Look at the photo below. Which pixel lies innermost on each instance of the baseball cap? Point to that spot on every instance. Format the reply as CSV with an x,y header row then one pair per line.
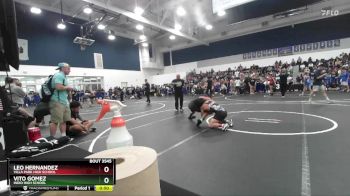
x,y
61,65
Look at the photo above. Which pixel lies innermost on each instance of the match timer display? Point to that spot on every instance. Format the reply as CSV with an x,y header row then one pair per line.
x,y
75,175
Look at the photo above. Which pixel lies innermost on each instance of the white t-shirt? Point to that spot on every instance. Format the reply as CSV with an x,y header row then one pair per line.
x,y
223,87
237,83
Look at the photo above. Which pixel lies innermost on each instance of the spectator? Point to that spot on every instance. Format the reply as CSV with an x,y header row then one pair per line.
x,y
110,92
223,88
238,86
271,82
76,125
16,93
319,76
344,77
232,86
306,81
252,83
59,104
121,94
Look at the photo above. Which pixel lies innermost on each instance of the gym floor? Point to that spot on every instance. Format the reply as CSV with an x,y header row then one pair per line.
x,y
276,147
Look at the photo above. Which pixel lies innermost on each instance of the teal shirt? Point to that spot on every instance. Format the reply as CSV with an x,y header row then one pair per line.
x,y
60,96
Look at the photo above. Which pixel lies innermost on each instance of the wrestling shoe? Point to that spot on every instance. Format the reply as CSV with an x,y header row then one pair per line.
x,y
199,122
93,129
329,101
191,117
224,127
229,122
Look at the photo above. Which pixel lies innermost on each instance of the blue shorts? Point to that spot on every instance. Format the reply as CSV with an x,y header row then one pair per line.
x,y
308,84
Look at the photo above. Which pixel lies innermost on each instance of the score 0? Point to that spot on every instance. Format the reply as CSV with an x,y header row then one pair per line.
x,y
106,169
106,180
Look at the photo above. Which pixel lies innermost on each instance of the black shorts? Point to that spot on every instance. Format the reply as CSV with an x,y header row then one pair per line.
x,y
194,107
40,111
220,116
72,131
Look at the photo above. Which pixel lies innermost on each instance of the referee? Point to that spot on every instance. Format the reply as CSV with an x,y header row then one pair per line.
x,y
209,91
147,91
178,84
283,82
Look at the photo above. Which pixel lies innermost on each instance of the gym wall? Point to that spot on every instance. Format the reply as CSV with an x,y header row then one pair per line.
x,y
320,30
48,45
111,77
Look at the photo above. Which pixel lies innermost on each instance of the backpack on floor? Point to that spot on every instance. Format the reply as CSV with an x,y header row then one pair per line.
x,y
40,145
47,90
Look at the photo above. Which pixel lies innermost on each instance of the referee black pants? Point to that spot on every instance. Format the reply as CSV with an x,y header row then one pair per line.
x,y
177,97
283,89
147,95
209,92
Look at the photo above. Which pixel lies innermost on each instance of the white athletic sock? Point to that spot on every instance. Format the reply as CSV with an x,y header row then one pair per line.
x,y
63,134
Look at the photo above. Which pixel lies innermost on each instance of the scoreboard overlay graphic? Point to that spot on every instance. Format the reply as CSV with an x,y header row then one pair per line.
x,y
69,174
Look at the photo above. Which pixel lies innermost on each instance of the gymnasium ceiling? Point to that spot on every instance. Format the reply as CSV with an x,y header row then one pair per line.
x,y
160,16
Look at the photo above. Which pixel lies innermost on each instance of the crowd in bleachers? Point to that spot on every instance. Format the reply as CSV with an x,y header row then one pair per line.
x,y
257,79
31,99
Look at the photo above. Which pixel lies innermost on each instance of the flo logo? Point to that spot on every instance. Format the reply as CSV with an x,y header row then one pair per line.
x,y
329,12
2,140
